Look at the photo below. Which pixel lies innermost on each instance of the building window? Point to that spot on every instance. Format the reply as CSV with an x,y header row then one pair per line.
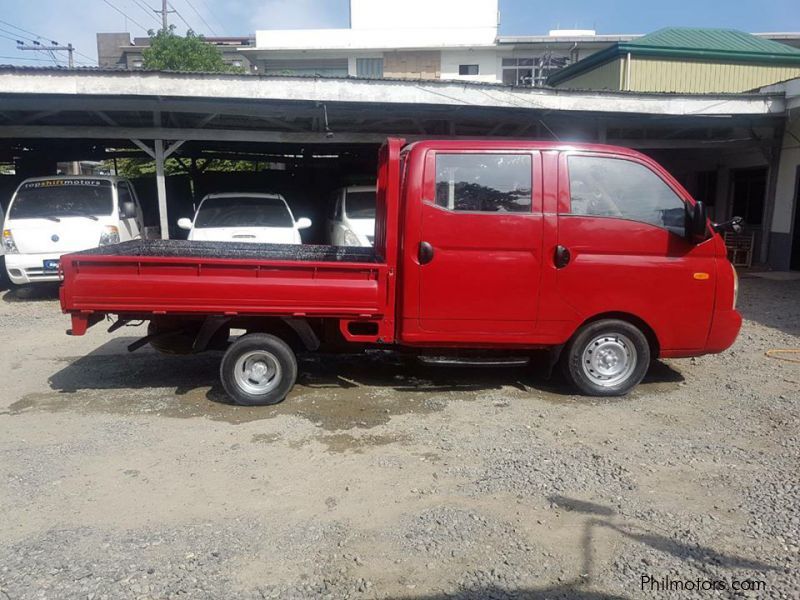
x,y
532,71
484,182
369,68
325,67
136,64
468,70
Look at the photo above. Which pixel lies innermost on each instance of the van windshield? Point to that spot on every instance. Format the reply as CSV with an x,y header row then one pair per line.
x,y
360,205
53,198
243,211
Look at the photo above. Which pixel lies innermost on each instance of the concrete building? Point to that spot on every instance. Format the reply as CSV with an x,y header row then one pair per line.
x,y
118,51
455,40
682,59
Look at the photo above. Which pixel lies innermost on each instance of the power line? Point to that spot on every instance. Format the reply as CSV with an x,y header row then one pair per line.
x,y
213,16
127,16
211,29
27,59
36,36
180,16
146,9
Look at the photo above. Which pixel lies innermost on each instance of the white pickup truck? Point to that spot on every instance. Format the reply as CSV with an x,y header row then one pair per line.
x,y
51,216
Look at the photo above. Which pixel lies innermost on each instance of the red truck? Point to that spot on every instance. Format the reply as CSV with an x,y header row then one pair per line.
x,y
485,251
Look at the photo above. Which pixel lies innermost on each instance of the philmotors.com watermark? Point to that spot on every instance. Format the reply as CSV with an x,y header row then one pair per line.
x,y
670,584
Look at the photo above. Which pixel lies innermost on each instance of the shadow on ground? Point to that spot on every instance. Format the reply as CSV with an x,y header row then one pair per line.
x,y
29,293
333,391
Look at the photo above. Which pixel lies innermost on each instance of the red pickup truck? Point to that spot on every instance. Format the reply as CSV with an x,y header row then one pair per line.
x,y
485,251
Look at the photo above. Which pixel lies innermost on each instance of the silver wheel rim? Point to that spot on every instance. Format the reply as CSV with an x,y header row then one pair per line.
x,y
609,360
257,372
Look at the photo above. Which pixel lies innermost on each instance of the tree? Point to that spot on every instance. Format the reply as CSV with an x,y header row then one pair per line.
x,y
171,52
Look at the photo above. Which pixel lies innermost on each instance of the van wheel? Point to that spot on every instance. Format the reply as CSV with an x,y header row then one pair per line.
x,y
258,369
606,358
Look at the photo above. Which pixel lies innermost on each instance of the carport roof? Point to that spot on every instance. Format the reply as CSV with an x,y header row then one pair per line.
x,y
222,111
42,81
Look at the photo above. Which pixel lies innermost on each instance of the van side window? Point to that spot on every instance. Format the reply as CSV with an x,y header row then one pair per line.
x,y
613,187
484,182
124,193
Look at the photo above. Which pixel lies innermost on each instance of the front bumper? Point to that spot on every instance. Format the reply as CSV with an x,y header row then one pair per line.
x,y
725,327
28,268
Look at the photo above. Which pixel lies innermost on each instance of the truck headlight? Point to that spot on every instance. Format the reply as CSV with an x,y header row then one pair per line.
x,y
109,236
350,238
8,242
735,286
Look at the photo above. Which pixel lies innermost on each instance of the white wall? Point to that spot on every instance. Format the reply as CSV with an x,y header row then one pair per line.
x,y
360,39
424,14
487,60
397,24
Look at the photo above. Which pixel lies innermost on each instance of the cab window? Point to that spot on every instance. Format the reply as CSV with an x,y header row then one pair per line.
x,y
494,183
623,189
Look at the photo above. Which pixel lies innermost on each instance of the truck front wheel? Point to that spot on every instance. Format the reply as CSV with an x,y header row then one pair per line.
x,y
258,369
606,358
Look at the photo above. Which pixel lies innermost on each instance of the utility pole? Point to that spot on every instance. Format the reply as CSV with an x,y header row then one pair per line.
x,y
164,12
54,47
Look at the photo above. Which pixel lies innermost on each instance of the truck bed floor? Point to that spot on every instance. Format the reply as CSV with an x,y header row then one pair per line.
x,y
236,250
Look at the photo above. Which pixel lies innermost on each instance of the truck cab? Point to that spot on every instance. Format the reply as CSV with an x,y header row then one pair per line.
x,y
51,216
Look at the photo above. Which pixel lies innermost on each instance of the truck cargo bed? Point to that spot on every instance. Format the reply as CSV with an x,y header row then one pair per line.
x,y
235,250
161,277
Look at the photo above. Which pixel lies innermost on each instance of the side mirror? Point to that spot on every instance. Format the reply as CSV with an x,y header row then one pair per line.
x,y
185,223
303,223
127,210
696,222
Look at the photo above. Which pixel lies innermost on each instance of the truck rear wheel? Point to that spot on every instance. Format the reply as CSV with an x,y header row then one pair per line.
x,y
606,358
258,369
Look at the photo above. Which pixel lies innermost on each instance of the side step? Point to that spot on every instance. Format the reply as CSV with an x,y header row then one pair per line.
x,y
474,361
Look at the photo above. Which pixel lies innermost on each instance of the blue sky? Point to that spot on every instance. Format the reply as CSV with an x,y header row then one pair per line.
x,y
60,21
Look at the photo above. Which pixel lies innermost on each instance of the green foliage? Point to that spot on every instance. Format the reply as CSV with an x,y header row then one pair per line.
x,y
143,167
170,52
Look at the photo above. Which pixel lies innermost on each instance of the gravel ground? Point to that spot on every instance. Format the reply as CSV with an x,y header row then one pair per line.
x,y
128,476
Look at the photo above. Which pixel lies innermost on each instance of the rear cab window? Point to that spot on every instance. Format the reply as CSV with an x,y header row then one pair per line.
x,y
613,187
55,198
487,183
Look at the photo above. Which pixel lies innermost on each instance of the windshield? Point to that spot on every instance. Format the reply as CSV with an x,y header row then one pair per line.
x,y
53,198
243,212
360,205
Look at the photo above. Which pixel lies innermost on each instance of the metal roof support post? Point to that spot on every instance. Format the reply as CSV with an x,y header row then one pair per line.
x,y
161,187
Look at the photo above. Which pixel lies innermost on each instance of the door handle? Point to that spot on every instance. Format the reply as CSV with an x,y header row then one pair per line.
x,y
425,253
561,257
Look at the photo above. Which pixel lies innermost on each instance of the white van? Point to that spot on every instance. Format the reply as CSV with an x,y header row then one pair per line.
x,y
254,218
51,216
351,221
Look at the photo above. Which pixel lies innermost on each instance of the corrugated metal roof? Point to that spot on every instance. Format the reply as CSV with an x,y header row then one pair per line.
x,y
714,40
720,45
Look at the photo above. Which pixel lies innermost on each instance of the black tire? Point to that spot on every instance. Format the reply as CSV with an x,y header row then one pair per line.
x,y
176,342
273,351
180,341
590,358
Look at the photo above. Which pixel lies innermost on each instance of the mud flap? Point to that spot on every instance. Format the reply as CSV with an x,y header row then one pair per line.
x,y
82,321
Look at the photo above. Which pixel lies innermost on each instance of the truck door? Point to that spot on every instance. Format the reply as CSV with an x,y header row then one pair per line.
x,y
481,246
622,247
